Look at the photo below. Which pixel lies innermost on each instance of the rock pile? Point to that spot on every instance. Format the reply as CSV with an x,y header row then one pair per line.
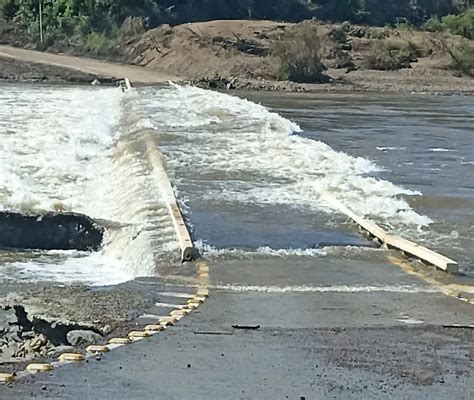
x,y
22,339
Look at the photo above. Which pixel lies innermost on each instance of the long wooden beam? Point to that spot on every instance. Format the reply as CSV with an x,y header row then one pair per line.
x,y
188,250
391,241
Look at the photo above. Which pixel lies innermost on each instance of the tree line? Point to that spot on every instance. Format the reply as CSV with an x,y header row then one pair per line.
x,y
80,18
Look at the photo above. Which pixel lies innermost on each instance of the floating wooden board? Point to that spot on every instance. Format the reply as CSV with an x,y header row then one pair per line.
x,y
424,254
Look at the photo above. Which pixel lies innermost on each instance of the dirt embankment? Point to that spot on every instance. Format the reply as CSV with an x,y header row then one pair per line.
x,y
243,54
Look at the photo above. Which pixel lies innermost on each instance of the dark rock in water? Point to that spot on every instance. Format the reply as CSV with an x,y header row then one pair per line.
x,y
79,337
50,231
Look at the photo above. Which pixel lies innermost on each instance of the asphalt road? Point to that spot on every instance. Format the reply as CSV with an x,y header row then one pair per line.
x,y
328,329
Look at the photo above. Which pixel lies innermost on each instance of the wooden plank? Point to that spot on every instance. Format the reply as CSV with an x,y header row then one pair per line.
x,y
188,251
424,254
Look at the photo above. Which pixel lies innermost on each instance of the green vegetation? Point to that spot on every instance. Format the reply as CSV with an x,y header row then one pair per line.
x,y
301,56
463,58
391,55
461,24
95,26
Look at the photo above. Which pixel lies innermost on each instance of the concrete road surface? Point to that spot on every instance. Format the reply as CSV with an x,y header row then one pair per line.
x,y
328,329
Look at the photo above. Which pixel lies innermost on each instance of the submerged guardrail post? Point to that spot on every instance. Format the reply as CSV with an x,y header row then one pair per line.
x,y
391,241
188,250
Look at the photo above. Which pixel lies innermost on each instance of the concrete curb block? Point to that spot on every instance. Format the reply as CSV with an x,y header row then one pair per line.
x,y
6,378
391,241
76,357
34,367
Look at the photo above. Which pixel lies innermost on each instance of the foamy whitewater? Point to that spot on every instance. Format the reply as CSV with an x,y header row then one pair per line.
x,y
77,149
81,150
258,157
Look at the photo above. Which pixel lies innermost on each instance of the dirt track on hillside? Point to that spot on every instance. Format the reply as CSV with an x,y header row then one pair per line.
x,y
88,68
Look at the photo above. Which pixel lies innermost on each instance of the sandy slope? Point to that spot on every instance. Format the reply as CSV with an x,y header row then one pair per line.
x,y
242,53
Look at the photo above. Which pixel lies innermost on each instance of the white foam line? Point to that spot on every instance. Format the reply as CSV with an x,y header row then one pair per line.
x,y
325,289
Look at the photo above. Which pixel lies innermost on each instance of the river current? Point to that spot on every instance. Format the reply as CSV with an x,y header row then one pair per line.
x,y
258,175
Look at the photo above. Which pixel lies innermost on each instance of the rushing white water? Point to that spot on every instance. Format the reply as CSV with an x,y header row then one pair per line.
x,y
81,150
326,289
75,149
215,254
254,156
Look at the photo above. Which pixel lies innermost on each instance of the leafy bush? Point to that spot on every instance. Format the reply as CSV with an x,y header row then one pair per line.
x,y
433,25
391,55
98,44
131,28
461,24
300,56
8,9
463,58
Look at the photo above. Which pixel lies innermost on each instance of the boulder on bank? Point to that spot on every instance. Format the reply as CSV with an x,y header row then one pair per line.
x,y
83,337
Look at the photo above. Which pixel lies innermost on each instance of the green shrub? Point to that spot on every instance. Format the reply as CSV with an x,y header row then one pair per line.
x,y
8,9
300,56
391,55
98,44
131,28
433,25
463,58
460,24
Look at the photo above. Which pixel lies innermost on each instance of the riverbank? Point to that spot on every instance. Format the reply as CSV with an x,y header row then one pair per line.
x,y
409,81
246,55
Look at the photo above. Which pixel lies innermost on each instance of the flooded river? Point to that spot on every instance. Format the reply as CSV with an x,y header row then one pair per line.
x,y
259,179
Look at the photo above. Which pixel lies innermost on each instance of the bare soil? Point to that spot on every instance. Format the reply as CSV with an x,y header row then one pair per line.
x,y
242,54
